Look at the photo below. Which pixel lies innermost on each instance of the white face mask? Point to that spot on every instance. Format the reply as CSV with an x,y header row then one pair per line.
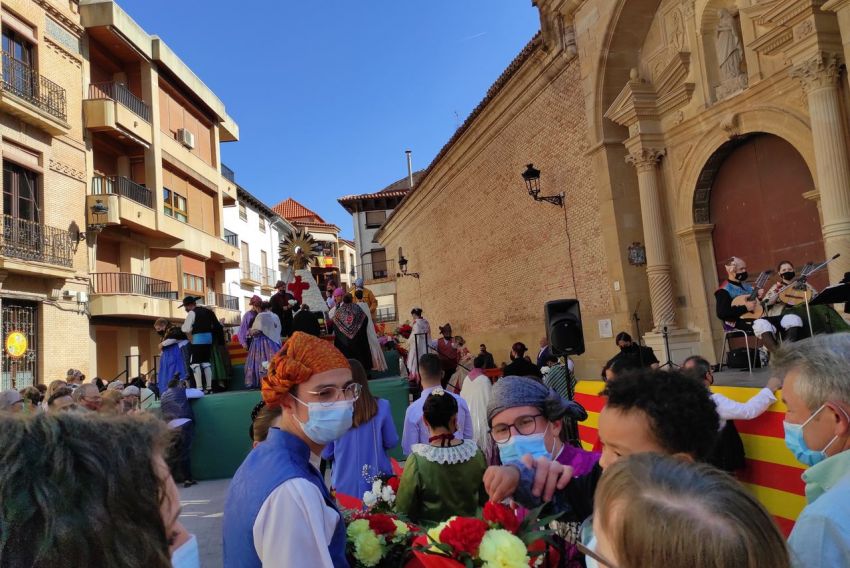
x,y
187,555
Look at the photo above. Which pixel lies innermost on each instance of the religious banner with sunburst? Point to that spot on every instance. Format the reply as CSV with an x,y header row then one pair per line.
x,y
299,249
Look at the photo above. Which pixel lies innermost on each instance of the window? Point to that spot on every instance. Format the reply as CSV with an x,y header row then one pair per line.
x,y
193,283
174,205
342,262
243,211
264,264
20,193
379,264
262,224
17,63
374,219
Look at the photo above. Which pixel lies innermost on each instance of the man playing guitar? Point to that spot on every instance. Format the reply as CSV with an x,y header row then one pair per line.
x,y
738,314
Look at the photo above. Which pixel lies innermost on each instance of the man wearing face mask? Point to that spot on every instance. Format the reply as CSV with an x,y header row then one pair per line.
x,y
278,510
735,286
816,391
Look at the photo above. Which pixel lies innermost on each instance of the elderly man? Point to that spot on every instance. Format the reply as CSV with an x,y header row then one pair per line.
x,y
88,396
368,297
816,391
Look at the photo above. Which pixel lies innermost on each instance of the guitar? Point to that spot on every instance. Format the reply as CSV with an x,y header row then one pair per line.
x,y
799,292
742,300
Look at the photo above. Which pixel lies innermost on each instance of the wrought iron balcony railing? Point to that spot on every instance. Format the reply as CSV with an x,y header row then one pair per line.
x,y
231,238
127,283
228,173
222,301
23,81
377,270
120,185
385,314
26,240
270,277
121,94
251,271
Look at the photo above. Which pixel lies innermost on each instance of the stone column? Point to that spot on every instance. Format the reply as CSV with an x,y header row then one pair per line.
x,y
658,268
819,76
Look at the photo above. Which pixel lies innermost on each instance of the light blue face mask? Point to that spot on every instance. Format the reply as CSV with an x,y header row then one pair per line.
x,y
520,445
588,561
795,441
187,555
327,423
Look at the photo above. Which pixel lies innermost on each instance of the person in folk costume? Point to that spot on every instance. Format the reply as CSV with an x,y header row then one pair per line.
x,y
420,339
350,333
283,305
244,333
201,324
278,510
334,300
266,334
379,362
366,296
448,353
172,362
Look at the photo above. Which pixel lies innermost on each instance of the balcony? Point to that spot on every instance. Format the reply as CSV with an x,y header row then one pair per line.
x,y
252,274
382,271
385,315
231,238
122,294
113,109
270,277
33,98
229,307
228,174
119,185
29,242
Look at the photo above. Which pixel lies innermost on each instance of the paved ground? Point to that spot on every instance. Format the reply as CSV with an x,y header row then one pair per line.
x,y
203,510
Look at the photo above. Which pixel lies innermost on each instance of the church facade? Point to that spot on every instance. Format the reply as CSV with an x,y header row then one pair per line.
x,y
681,132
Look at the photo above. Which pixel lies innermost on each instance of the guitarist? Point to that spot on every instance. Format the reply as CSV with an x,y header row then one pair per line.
x,y
734,286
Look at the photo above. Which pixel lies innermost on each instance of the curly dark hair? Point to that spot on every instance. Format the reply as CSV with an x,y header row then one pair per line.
x,y
439,409
68,475
683,417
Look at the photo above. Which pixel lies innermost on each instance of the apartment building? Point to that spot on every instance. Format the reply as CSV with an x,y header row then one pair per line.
x,y
43,270
347,262
156,199
259,231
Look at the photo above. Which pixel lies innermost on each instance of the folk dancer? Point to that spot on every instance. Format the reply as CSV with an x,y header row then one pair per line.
x,y
172,361
200,324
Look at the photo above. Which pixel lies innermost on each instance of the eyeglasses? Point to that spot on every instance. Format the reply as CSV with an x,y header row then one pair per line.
x,y
329,395
524,425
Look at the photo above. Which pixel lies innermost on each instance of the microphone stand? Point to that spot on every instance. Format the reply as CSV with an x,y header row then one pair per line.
x,y
669,362
637,326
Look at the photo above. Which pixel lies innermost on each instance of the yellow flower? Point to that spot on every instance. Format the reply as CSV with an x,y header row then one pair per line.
x,y
434,535
400,528
501,549
368,548
356,528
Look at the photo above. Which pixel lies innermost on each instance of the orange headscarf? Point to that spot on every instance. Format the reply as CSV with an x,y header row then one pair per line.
x,y
301,357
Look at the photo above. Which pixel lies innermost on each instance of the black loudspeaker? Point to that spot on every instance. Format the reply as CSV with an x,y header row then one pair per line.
x,y
563,327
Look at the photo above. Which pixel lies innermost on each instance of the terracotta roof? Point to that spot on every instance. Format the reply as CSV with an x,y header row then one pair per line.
x,y
292,210
514,66
349,243
398,188
328,226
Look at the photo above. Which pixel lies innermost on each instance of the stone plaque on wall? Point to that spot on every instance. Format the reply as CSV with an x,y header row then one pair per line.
x,y
62,36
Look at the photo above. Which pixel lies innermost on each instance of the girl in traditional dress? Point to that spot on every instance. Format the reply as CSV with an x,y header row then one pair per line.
x,y
244,333
350,334
265,333
445,476
379,362
172,361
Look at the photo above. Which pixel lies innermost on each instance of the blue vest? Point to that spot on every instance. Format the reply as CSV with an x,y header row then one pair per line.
x,y
734,290
280,458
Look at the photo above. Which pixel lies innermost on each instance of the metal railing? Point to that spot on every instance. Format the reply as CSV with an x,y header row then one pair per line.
x,y
228,173
385,314
251,271
231,238
119,93
377,270
128,283
222,301
27,240
119,185
270,277
25,82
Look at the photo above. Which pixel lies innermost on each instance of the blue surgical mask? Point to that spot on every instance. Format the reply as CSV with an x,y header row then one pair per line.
x,y
327,423
588,561
520,445
186,555
797,443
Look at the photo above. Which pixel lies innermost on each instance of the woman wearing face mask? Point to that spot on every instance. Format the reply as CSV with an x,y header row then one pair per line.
x,y
172,362
278,510
787,304
120,480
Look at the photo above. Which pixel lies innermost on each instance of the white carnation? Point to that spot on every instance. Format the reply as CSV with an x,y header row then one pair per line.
x,y
376,486
387,494
369,499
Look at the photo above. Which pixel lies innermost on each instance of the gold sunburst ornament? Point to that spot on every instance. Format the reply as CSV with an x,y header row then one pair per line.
x,y
299,250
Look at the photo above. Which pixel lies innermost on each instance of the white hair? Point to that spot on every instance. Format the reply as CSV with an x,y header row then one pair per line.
x,y
823,364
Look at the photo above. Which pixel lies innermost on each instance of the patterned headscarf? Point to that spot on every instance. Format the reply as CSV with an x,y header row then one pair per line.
x,y
510,392
301,357
348,319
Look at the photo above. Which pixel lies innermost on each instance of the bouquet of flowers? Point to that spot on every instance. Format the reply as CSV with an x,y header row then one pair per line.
x,y
381,498
404,330
377,539
498,539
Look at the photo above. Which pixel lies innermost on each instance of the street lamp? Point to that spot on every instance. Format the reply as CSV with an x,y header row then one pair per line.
x,y
402,264
531,176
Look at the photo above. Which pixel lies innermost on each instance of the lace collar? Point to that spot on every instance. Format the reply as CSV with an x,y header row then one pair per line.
x,y
452,454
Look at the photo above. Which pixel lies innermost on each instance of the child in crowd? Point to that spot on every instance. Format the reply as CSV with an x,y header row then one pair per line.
x,y
653,510
444,477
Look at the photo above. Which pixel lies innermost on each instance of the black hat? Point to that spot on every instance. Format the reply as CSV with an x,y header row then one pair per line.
x,y
189,300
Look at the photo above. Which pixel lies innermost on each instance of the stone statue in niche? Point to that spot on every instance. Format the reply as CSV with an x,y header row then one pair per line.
x,y
730,55
677,32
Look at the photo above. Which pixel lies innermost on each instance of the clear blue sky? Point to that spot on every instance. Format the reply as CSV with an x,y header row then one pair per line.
x,y
329,94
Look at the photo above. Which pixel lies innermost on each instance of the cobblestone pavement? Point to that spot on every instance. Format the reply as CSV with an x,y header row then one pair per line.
x,y
203,511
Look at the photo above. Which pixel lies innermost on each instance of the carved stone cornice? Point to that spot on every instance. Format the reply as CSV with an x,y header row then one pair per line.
x,y
635,103
58,15
818,72
671,86
645,159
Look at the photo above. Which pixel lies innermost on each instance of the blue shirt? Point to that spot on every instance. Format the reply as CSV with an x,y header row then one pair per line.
x,y
415,431
821,536
364,447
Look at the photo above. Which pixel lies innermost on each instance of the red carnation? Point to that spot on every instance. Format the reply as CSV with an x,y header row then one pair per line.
x,y
393,482
501,515
464,535
382,524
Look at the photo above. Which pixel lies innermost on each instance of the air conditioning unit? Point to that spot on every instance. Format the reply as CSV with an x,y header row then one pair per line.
x,y
82,297
186,138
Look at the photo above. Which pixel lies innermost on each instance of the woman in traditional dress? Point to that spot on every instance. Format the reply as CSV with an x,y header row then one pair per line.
x,y
420,339
350,334
172,362
379,362
244,333
265,333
